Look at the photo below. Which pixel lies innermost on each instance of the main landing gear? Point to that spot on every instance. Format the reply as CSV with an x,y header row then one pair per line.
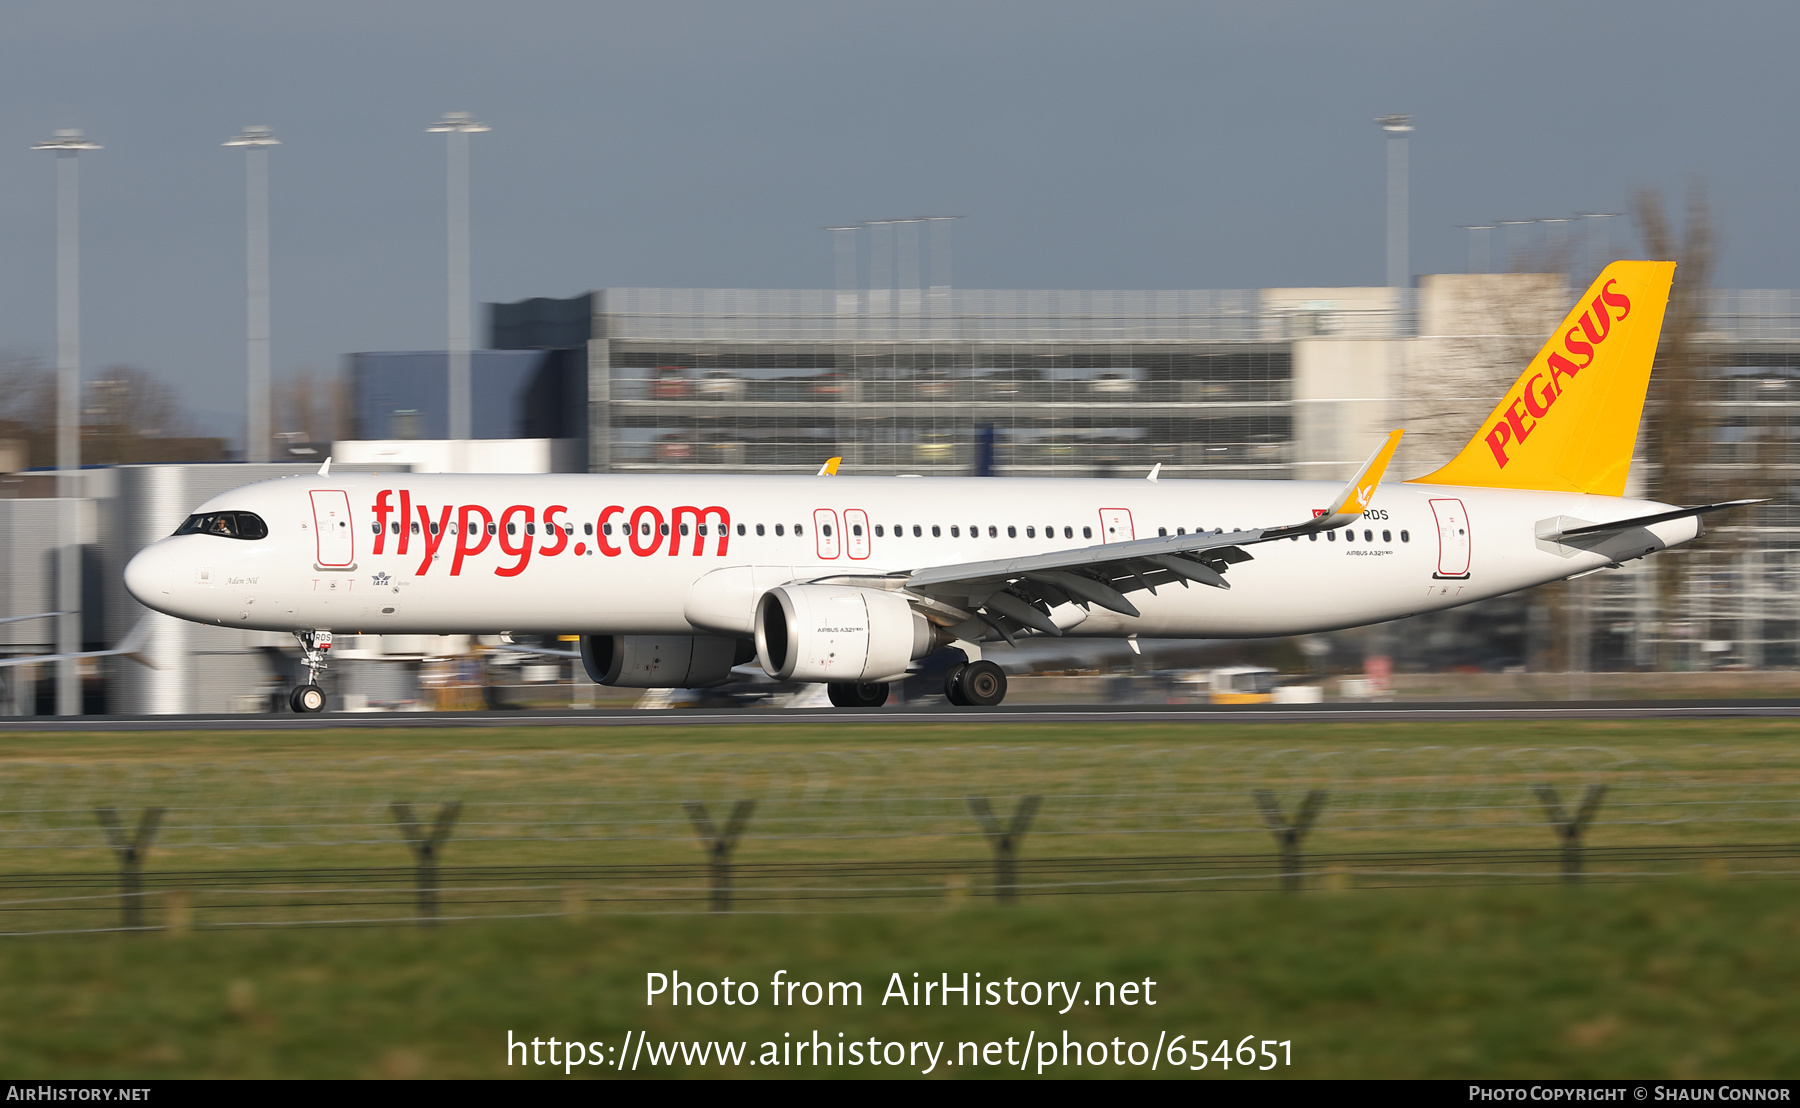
x,y
857,694
309,698
975,685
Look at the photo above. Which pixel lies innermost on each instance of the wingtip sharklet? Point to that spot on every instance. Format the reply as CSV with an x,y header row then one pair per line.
x,y
1360,492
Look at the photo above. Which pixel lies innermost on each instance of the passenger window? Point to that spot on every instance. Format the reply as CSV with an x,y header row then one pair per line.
x,y
1404,537
759,530
1314,536
606,528
1350,535
993,532
935,533
512,528
1087,532
797,531
587,528
955,531
1331,536
916,531
1068,532
683,529
877,530
1181,530
434,527
1368,536
1031,532
1162,531
644,529
827,530
1012,532
415,528
1387,536
492,530
778,529
375,528
665,529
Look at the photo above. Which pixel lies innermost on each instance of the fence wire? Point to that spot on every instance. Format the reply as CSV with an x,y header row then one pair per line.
x,y
270,842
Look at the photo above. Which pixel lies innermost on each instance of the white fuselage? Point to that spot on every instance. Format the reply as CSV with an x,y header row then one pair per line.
x,y
323,567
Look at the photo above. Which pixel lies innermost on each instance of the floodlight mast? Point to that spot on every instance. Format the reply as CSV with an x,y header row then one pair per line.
x,y
458,126
256,142
68,145
1397,127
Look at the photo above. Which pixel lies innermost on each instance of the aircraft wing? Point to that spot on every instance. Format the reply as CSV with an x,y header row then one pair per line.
x,y
1010,593
131,646
37,615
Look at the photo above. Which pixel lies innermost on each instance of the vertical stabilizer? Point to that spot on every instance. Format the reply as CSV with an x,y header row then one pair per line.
x,y
1570,422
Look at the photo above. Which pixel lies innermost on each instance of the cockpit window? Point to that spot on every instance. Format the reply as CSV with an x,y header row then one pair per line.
x,y
232,525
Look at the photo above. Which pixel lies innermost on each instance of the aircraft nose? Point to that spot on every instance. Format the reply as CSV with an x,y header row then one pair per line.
x,y
150,576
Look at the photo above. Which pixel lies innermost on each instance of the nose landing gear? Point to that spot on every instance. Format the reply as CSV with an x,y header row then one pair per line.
x,y
309,698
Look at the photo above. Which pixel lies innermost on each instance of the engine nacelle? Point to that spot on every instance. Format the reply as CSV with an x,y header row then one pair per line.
x,y
662,661
839,633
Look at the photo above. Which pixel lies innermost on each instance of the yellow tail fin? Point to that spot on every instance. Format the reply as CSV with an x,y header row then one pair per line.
x,y
1569,423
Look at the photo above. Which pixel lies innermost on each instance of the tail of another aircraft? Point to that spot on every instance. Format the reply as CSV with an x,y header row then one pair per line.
x,y
1569,423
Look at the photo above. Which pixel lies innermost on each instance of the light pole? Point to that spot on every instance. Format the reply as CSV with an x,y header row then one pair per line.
x,y
256,142
68,146
1398,127
459,126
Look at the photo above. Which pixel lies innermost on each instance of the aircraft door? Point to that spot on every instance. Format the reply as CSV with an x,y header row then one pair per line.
x,y
856,526
1453,538
825,533
1115,525
331,528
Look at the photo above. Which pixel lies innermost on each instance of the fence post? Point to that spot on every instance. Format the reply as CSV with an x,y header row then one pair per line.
x,y
425,846
1569,828
1005,841
1288,834
719,845
131,853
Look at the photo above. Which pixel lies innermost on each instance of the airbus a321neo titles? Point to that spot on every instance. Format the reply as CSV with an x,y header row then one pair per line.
x,y
671,581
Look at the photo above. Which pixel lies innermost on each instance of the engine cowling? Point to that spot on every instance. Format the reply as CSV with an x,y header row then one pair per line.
x,y
839,633
662,661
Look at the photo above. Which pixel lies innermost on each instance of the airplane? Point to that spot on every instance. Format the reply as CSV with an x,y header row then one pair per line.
x,y
670,581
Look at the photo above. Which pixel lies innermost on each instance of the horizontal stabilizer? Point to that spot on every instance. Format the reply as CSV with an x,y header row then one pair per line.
x,y
1618,525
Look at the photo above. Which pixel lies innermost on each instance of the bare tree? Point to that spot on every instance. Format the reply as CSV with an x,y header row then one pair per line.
x,y
1677,432
312,408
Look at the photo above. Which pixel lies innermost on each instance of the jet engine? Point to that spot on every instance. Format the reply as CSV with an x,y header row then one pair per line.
x,y
839,633
662,661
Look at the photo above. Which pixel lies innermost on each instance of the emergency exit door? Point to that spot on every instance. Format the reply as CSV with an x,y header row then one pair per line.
x,y
331,527
1453,538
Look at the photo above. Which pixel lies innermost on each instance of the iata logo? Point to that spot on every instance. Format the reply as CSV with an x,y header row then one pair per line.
x,y
1540,393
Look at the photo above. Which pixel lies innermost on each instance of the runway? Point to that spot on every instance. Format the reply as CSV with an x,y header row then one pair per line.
x,y
1199,715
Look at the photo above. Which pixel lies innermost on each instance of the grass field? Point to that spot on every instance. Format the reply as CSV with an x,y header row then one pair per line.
x,y
1671,979
1678,977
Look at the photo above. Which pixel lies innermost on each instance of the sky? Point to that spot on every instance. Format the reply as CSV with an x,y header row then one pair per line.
x,y
1085,145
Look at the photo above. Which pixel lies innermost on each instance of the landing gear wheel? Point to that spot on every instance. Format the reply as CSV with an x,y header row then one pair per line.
x,y
857,694
307,699
953,685
982,684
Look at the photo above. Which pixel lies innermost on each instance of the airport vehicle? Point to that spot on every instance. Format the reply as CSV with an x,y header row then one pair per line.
x,y
671,581
1241,685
